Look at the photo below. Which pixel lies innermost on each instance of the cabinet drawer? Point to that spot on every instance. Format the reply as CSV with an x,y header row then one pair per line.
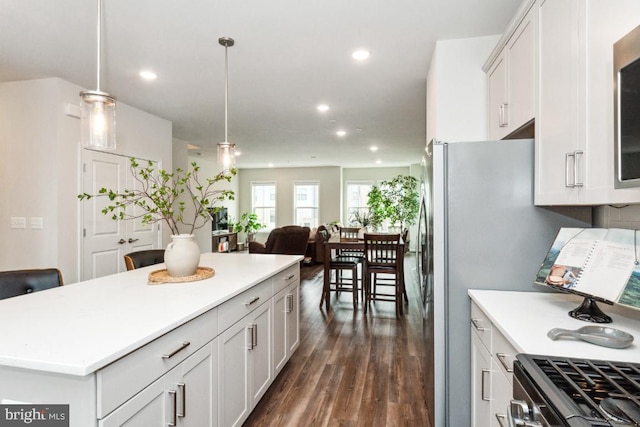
x,y
481,325
241,305
125,377
503,353
285,278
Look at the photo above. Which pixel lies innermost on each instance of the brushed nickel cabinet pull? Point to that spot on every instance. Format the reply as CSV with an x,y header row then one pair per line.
x,y
250,337
475,323
484,371
174,403
501,417
291,276
254,335
182,389
184,345
253,300
576,183
501,358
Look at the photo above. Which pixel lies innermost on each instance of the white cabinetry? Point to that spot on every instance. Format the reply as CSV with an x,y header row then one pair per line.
x,y
286,313
511,76
574,119
245,370
492,358
185,396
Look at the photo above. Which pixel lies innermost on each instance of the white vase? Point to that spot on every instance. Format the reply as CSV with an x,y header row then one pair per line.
x,y
182,256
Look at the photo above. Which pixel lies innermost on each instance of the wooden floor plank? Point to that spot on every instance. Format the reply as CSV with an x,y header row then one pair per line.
x,y
350,369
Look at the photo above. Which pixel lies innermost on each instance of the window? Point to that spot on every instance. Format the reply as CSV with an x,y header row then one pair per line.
x,y
263,202
357,198
306,201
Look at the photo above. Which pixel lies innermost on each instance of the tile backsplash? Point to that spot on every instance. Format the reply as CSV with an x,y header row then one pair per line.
x,y
626,216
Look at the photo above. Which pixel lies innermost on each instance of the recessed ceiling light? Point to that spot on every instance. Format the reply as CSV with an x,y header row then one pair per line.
x,y
360,54
341,133
270,165
373,148
378,162
193,147
148,75
323,108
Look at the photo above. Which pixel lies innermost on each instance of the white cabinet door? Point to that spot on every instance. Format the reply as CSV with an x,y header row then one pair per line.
x,y
286,327
233,374
560,122
521,66
184,396
245,365
196,389
280,353
260,354
293,319
498,102
574,120
480,383
501,395
150,407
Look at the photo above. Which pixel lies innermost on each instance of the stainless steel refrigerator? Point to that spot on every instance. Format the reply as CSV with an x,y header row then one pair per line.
x,y
478,229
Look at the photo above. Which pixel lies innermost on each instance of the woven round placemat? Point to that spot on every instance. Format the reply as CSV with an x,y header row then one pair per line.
x,y
162,276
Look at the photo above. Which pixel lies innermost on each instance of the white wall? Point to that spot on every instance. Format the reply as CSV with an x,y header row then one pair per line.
x,y
456,89
40,160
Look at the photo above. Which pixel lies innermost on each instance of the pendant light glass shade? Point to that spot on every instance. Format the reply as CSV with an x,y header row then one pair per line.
x,y
98,120
226,150
98,109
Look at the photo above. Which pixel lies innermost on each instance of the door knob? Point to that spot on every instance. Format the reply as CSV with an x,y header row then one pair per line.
x,y
122,242
132,240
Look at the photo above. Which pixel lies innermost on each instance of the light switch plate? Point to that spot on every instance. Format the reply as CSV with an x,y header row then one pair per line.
x,y
18,222
36,223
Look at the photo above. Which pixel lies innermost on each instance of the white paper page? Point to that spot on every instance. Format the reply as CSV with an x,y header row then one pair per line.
x,y
575,252
607,271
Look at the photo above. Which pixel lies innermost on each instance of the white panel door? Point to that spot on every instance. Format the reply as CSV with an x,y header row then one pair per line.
x,y
105,241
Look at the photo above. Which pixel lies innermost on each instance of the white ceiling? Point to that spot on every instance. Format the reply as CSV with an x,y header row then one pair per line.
x,y
289,56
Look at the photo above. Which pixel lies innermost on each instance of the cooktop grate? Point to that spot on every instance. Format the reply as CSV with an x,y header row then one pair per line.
x,y
588,382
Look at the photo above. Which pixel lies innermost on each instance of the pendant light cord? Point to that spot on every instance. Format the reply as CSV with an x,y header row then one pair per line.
x,y
99,33
226,92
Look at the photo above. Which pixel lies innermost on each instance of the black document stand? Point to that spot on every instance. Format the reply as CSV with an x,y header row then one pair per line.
x,y
589,311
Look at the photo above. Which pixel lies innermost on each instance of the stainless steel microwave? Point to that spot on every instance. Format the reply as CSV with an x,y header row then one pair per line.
x,y
626,65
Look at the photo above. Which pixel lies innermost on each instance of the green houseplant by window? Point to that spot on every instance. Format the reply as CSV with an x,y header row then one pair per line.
x,y
396,200
248,224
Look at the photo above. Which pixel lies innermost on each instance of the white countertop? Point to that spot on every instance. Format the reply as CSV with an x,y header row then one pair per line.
x,y
79,328
524,318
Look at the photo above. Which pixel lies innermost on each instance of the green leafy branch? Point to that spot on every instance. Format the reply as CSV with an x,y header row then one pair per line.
x,y
163,196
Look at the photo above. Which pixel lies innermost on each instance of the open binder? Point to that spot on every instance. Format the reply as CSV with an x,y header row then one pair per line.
x,y
598,263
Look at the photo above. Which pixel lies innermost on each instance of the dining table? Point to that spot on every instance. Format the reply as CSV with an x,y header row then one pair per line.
x,y
334,244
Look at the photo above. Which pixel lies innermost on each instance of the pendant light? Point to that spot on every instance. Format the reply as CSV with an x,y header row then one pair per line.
x,y
226,150
98,109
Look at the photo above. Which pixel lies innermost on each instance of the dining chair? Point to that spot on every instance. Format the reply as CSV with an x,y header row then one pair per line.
x,y
353,233
338,263
144,258
20,282
383,255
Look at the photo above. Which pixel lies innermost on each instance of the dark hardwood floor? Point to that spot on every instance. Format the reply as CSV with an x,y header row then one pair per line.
x,y
350,370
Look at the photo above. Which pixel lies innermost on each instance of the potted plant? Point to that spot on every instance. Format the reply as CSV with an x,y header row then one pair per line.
x,y
396,200
180,199
362,219
248,224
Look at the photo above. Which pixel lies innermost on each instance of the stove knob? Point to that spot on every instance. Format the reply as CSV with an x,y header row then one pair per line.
x,y
519,411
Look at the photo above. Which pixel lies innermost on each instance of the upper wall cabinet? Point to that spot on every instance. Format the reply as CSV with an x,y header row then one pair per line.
x,y
574,118
511,76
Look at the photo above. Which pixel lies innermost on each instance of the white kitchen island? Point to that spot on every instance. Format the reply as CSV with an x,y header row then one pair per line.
x,y
117,349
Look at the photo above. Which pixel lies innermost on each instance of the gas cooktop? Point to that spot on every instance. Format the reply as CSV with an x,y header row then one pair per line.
x,y
580,392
